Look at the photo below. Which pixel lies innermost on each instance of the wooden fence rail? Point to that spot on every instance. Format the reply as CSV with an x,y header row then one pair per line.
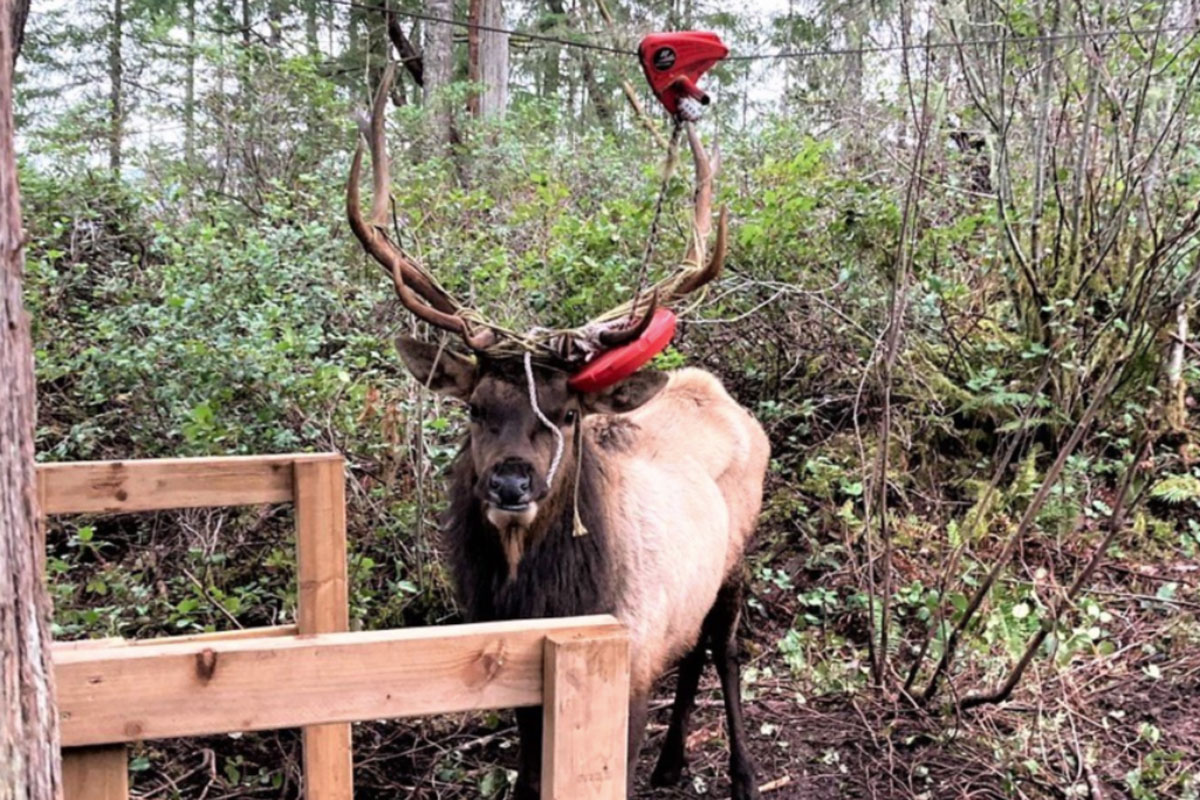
x,y
313,674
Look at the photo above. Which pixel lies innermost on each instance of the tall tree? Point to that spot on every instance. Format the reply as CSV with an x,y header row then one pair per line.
x,y
275,21
552,68
19,13
115,86
595,91
367,46
189,100
377,46
410,57
487,58
29,761
310,28
438,63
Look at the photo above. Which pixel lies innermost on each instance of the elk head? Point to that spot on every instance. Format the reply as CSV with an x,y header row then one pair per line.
x,y
525,429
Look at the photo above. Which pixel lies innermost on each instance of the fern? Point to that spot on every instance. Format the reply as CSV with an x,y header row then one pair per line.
x,y
1177,489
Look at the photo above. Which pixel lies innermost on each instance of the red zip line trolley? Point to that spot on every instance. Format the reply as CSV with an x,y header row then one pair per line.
x,y
673,64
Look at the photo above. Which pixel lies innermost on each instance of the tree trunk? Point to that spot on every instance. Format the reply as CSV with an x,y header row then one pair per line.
x,y
604,111
221,112
244,61
310,28
115,76
275,22
1177,411
438,65
474,11
377,47
410,57
29,760
551,66
18,15
856,27
489,62
244,133
352,36
189,100
596,93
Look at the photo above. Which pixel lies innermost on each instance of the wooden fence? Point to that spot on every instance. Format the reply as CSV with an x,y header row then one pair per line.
x,y
313,674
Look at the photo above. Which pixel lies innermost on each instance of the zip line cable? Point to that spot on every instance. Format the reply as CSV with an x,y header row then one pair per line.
x,y
1103,33
543,37
1108,33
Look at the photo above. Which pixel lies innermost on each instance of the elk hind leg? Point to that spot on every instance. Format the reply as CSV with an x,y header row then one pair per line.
x,y
723,638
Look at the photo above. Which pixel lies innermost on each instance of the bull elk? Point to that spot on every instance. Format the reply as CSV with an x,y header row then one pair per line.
x,y
638,500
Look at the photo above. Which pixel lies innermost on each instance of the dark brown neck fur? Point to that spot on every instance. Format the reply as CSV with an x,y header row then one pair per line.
x,y
559,573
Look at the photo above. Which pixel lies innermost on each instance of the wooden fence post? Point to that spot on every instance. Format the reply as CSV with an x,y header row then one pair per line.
x,y
96,773
88,773
586,714
323,607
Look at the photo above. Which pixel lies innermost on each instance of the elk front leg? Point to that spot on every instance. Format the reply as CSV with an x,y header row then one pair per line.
x,y
638,711
673,758
529,772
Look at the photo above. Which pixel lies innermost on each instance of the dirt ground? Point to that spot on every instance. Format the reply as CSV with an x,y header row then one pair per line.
x,y
1125,724
838,747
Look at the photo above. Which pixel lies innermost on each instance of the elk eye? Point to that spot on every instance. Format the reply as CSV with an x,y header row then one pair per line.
x,y
569,417
476,412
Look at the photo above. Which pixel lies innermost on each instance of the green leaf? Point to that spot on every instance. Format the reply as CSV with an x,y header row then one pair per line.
x,y
1167,591
493,782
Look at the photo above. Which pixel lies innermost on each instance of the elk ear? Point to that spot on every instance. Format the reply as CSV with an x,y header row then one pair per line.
x,y
438,368
633,392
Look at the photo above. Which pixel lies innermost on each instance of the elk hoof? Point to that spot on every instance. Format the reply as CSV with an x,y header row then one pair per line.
x,y
744,787
668,772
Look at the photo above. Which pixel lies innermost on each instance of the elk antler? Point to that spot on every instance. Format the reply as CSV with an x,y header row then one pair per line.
x,y
422,295
417,290
691,280
696,273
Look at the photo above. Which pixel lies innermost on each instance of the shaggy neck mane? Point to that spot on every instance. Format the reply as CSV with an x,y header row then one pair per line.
x,y
559,574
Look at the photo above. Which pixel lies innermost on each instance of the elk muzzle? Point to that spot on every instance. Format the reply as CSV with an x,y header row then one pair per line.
x,y
510,486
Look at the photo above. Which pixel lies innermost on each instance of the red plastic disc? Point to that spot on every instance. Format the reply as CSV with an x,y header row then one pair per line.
x,y
616,365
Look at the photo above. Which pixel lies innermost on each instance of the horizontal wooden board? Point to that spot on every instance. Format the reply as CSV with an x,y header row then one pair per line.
x,y
88,487
122,694
214,636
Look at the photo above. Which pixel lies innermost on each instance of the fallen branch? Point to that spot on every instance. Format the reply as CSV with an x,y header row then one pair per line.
x,y
778,783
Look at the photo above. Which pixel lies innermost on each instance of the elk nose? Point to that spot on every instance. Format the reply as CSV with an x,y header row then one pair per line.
x,y
509,489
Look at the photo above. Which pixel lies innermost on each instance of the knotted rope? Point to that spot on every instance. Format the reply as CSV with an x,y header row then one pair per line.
x,y
533,403
579,528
